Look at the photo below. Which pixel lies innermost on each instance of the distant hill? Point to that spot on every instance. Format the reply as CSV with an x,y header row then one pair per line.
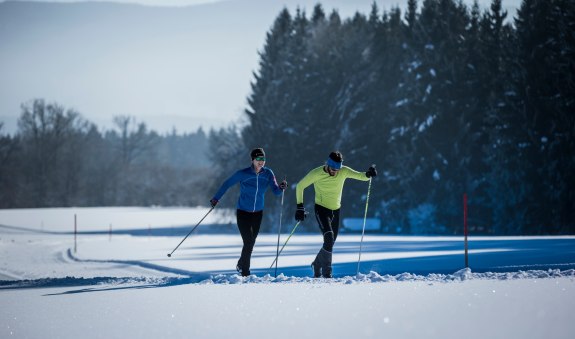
x,y
181,67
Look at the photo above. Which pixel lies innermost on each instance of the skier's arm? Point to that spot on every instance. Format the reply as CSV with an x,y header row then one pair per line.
x,y
273,183
309,179
235,178
353,174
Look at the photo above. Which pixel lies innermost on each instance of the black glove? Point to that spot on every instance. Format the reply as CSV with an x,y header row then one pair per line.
x,y
300,213
214,202
371,172
283,185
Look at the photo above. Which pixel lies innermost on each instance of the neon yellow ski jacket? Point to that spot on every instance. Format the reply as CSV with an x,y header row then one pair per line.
x,y
328,189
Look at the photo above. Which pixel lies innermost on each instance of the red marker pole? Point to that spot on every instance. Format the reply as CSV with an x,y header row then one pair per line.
x,y
75,233
465,227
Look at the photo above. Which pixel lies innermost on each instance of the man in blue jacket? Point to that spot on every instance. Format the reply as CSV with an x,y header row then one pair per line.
x,y
254,182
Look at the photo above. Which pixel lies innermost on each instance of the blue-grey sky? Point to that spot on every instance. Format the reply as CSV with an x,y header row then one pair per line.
x,y
171,64
140,2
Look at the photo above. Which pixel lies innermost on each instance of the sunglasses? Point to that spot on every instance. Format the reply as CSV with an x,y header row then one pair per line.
x,y
260,158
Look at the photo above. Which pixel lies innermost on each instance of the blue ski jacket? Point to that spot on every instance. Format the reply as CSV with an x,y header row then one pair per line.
x,y
253,186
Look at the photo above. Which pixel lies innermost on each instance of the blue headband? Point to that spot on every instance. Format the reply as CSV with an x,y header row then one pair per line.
x,y
333,164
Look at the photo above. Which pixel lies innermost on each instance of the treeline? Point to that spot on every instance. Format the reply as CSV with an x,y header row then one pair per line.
x,y
59,159
446,99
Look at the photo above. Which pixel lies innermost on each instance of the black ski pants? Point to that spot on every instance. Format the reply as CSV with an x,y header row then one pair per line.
x,y
328,221
249,225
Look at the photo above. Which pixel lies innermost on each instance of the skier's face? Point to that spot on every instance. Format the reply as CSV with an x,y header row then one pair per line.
x,y
332,171
258,163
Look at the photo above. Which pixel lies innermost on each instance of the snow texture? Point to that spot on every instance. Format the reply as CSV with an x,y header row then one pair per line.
x,y
100,285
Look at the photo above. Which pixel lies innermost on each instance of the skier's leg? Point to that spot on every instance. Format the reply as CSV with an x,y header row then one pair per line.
x,y
326,270
327,262
322,263
256,221
328,221
249,226
243,227
316,265
324,218
335,224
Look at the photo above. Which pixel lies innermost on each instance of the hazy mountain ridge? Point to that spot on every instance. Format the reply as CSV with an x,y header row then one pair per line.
x,y
169,66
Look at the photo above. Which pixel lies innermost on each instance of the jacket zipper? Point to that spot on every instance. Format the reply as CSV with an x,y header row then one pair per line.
x,y
257,188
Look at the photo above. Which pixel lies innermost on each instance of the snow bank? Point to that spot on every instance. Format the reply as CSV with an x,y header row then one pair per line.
x,y
233,279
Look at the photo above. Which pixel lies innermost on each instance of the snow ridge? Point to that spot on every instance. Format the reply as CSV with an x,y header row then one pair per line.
x,y
188,277
374,277
229,279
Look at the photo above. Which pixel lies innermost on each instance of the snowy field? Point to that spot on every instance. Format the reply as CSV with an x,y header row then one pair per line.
x,y
122,284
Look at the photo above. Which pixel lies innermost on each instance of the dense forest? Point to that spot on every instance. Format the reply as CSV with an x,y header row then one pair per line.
x,y
445,99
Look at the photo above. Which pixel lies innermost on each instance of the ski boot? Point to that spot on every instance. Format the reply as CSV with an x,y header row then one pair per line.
x,y
242,270
316,267
322,264
326,269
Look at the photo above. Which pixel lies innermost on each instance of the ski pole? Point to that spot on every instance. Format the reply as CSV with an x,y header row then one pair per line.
x,y
279,231
198,224
284,245
363,229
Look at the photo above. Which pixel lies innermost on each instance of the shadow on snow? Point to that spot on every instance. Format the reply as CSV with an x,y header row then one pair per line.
x,y
428,257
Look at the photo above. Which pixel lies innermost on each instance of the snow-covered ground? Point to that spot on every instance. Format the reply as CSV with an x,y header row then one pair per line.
x,y
54,284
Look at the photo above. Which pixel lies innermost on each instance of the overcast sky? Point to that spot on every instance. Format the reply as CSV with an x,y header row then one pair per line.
x,y
141,2
172,67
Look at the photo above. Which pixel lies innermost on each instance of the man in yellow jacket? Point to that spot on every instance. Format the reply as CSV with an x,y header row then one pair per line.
x,y
328,183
